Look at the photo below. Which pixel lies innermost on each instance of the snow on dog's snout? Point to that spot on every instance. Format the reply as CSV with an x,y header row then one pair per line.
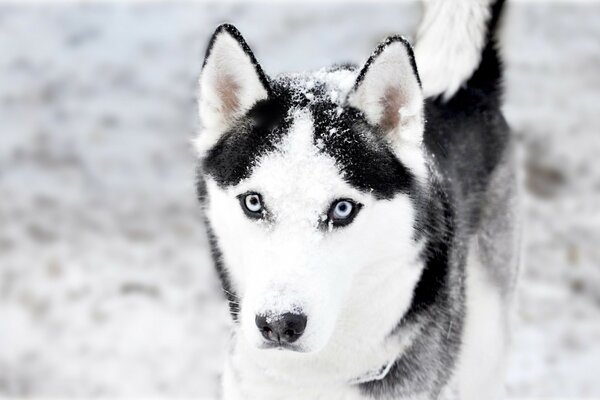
x,y
294,268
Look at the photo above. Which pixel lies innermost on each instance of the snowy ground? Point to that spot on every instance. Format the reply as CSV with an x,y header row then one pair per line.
x,y
106,288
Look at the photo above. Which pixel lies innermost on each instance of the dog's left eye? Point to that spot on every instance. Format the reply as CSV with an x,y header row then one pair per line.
x,y
252,205
342,212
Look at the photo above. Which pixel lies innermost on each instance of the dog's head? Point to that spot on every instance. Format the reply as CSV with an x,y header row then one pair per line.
x,y
309,184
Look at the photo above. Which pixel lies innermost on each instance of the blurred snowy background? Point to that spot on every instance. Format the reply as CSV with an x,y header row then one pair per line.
x,y
106,288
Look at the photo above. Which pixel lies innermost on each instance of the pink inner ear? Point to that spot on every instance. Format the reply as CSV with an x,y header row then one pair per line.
x,y
228,90
391,102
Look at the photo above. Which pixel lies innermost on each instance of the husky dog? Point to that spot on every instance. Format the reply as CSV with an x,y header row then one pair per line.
x,y
362,220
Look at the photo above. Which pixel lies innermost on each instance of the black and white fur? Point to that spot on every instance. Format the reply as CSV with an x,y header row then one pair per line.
x,y
410,298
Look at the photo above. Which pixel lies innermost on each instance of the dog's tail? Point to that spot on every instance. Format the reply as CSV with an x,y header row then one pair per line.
x,y
456,47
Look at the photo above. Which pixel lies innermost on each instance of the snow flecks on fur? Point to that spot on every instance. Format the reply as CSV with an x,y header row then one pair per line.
x,y
298,164
271,316
324,84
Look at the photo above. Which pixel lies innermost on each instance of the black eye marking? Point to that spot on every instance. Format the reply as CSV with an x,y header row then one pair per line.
x,y
252,205
342,212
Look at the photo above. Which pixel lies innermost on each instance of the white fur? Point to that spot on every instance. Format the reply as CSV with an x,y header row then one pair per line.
x,y
449,42
289,263
482,358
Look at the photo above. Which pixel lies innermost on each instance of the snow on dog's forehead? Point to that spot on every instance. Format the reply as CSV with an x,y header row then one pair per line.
x,y
325,84
297,180
304,147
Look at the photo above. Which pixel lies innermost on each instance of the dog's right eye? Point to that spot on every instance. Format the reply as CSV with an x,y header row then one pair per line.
x,y
252,205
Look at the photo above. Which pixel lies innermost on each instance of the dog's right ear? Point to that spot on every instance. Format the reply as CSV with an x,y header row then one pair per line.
x,y
231,83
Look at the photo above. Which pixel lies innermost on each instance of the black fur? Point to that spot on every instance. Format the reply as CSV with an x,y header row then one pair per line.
x,y
354,145
437,308
466,137
253,135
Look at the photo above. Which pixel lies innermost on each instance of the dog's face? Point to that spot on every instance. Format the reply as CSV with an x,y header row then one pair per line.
x,y
309,185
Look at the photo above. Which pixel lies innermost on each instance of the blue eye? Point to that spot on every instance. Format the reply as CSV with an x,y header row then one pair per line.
x,y
252,205
343,209
342,212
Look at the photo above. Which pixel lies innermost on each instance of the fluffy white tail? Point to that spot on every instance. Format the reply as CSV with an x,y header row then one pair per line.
x,y
450,41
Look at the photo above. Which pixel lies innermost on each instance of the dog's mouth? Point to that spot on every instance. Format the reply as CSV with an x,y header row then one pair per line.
x,y
282,346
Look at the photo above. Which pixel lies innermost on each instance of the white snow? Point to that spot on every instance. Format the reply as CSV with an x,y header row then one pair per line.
x,y
106,286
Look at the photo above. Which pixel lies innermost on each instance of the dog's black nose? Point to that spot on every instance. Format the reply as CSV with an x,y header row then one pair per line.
x,y
284,328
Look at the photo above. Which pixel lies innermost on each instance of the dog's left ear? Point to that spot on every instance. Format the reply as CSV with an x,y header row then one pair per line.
x,y
231,83
388,92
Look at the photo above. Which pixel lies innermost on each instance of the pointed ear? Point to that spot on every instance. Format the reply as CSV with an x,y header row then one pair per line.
x,y
231,81
388,92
